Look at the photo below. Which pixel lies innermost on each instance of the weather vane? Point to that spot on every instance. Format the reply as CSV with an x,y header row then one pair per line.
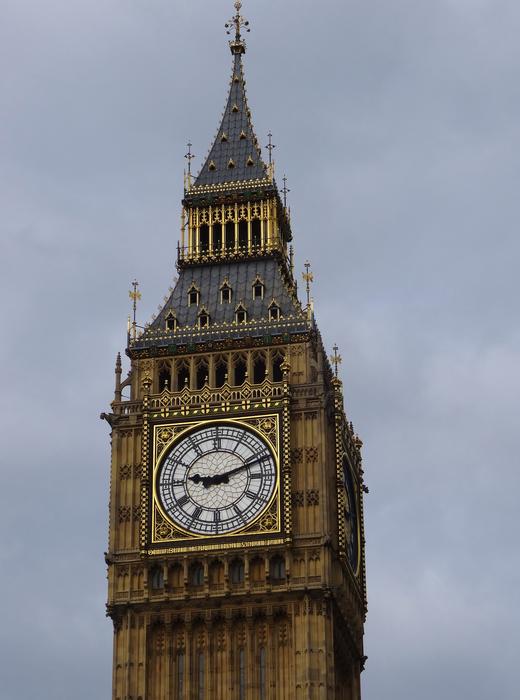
x,y
336,360
134,295
285,191
237,21
308,278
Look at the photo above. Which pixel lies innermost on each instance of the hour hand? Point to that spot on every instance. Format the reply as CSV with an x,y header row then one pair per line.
x,y
206,481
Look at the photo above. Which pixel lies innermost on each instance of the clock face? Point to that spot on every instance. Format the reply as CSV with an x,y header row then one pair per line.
x,y
351,518
217,479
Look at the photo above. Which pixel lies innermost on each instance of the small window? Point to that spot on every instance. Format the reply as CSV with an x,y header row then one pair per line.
x,y
241,315
171,322
274,312
225,294
258,290
193,296
204,319
204,238
278,361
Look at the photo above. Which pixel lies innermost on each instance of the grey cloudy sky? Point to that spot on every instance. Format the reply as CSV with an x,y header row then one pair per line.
x,y
398,124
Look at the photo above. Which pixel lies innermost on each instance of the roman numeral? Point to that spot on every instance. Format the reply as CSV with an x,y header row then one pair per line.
x,y
196,513
251,495
183,500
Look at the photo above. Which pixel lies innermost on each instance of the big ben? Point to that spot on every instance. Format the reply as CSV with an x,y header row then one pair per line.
x,y
236,548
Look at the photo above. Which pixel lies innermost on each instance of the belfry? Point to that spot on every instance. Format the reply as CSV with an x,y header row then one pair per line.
x,y
236,547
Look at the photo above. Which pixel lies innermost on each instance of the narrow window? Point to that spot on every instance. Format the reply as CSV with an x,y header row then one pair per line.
x,y
217,237
183,376
202,374
220,373
242,236
240,372
156,578
277,569
165,377
202,677
256,233
277,368
259,369
262,674
197,575
193,296
242,674
237,571
230,236
180,675
204,238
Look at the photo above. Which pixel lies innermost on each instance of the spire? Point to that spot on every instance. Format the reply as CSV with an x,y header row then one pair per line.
x,y
235,155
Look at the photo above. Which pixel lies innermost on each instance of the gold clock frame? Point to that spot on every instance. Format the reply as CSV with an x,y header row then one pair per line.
x,y
160,535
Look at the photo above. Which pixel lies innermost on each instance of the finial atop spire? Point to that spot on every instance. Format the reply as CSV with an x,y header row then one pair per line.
x,y
134,295
238,45
285,191
336,360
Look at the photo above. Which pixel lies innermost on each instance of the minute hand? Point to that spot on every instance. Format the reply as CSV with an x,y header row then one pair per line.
x,y
224,478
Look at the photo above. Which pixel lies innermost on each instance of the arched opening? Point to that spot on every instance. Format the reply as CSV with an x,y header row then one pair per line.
x,y
274,312
204,238
202,374
217,237
165,376
221,369
259,367
256,233
193,296
183,375
278,360
230,236
242,236
240,371
225,294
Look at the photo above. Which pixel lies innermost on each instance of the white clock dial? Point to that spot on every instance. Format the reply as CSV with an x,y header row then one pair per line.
x,y
217,479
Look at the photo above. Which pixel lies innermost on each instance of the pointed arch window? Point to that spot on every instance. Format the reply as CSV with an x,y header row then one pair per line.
x,y
165,376
204,238
221,372
241,314
278,360
170,322
258,289
183,375
193,295
256,233
259,368
239,370
202,374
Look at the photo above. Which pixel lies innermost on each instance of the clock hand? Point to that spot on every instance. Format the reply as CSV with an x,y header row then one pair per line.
x,y
205,480
224,478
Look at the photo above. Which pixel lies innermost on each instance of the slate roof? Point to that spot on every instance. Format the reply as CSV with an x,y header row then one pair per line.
x,y
235,155
240,277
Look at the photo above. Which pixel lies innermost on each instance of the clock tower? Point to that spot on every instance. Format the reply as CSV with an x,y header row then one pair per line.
x,y
236,548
